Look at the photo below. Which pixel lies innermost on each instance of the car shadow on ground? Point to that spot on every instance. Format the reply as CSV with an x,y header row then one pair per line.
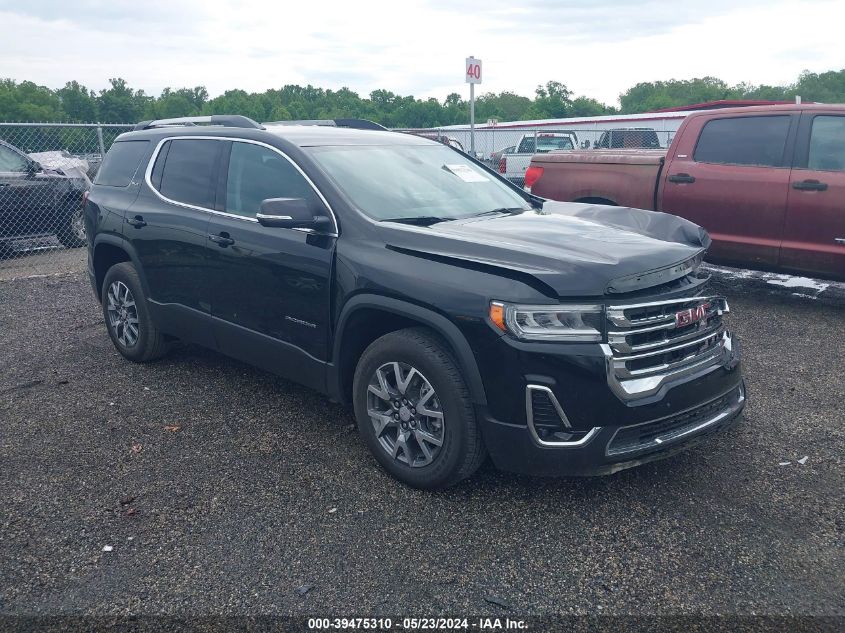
x,y
337,420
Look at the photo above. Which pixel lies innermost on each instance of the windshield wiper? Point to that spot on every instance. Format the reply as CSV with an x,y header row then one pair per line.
x,y
499,211
420,220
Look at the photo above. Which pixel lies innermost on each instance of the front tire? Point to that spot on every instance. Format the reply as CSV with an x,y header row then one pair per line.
x,y
414,410
72,232
127,315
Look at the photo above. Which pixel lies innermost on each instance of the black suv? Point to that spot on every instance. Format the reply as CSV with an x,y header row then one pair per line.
x,y
37,202
459,315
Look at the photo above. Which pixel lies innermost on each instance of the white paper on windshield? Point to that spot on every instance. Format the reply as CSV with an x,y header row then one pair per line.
x,y
466,173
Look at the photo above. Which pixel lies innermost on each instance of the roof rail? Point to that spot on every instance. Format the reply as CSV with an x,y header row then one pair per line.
x,y
358,124
226,120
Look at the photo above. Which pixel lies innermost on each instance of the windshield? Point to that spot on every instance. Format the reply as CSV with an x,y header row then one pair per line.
x,y
414,181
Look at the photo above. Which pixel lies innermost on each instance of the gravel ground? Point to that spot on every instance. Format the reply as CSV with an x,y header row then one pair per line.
x,y
50,261
225,490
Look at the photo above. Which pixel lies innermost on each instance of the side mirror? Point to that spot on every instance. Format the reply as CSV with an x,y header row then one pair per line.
x,y
33,167
290,213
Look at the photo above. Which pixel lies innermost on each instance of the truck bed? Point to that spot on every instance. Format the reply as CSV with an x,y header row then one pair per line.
x,y
623,177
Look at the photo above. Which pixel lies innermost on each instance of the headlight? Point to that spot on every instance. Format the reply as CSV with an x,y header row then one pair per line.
x,y
549,322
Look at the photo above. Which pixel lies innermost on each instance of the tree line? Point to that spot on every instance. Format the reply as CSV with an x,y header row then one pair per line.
x,y
26,101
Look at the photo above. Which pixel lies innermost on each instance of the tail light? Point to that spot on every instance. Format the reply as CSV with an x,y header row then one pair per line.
x,y
532,175
503,165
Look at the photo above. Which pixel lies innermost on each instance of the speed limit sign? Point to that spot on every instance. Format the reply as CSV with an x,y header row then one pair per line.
x,y
473,70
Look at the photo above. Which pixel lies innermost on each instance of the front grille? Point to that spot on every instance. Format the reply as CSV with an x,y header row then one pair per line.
x,y
655,435
649,342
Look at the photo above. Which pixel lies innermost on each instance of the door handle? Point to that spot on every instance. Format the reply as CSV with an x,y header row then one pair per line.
x,y
137,221
681,178
839,240
222,239
809,185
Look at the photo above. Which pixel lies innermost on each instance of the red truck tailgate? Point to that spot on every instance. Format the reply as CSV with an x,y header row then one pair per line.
x,y
623,177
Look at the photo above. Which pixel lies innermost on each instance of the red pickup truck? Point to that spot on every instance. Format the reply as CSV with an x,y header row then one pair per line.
x,y
768,183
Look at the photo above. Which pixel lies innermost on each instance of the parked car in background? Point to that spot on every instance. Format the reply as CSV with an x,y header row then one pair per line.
x,y
496,156
767,182
37,201
513,165
458,315
628,137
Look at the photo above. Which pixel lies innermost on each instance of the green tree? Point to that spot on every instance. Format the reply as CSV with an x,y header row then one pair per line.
x,y
237,102
28,102
585,106
176,103
826,87
505,106
762,92
551,101
78,103
655,95
121,104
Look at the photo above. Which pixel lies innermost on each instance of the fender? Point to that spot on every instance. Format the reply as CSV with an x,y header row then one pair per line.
x,y
113,239
436,321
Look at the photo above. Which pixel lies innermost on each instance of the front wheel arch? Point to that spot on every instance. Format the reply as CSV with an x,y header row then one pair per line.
x,y
399,314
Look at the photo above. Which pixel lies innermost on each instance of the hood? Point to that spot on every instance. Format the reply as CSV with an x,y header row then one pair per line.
x,y
569,249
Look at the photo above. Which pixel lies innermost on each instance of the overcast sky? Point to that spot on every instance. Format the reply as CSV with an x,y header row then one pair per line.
x,y
596,47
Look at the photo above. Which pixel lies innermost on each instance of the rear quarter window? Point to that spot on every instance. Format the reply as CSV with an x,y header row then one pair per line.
x,y
187,171
751,140
121,163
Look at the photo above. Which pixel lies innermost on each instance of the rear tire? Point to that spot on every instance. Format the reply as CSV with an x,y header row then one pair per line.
x,y
415,412
127,315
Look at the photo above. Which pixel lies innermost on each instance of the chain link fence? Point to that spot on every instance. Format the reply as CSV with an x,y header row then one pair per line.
x,y
45,168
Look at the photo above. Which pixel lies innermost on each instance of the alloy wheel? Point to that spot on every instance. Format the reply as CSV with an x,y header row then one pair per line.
x,y
406,414
123,313
77,225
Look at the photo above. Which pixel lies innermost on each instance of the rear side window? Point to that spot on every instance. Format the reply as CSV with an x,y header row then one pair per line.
x,y
257,173
188,171
121,163
827,144
743,141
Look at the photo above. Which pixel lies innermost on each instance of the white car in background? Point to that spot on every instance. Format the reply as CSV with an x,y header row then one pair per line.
x,y
513,165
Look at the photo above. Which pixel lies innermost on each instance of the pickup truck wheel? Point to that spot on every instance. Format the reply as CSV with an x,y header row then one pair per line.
x,y
414,410
127,315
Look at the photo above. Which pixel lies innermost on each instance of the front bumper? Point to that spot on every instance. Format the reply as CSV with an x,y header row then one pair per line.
x,y
606,450
603,427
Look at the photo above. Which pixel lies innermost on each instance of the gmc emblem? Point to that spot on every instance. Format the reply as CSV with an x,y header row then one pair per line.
x,y
690,316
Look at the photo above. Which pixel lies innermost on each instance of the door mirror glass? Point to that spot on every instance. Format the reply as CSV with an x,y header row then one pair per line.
x,y
290,213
